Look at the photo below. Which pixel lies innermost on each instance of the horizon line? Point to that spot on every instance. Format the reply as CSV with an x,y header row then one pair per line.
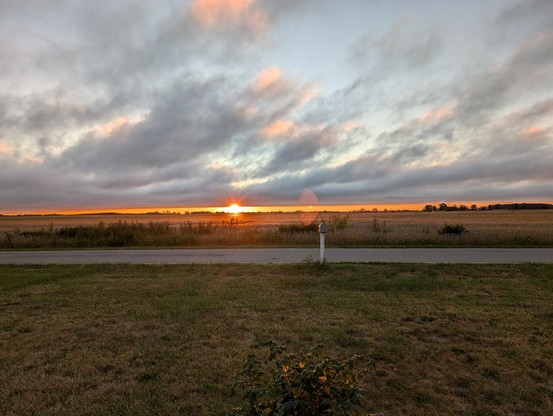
x,y
260,209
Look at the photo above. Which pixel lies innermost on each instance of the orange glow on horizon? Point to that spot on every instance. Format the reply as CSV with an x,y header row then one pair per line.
x,y
254,209
235,209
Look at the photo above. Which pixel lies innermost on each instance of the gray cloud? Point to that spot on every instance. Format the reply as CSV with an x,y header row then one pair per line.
x,y
467,179
299,153
400,49
534,13
187,123
526,73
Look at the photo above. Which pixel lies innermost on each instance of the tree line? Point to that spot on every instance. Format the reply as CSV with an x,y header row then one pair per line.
x,y
512,206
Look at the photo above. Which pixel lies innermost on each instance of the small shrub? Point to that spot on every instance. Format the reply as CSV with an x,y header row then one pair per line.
x,y
232,223
452,229
206,228
313,264
299,385
309,259
298,228
338,222
200,228
378,227
8,239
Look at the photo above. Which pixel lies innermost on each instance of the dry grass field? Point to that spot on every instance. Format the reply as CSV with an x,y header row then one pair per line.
x,y
497,228
166,340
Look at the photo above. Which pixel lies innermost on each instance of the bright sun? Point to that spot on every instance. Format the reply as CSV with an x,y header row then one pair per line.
x,y
234,209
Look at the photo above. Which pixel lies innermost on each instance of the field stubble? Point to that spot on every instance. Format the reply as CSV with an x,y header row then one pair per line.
x,y
532,228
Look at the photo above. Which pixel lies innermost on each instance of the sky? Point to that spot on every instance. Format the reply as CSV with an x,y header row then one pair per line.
x,y
202,103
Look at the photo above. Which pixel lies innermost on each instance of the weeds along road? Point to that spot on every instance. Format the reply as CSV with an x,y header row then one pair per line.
x,y
283,255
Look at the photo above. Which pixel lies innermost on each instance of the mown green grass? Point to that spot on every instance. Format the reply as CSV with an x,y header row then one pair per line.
x,y
142,340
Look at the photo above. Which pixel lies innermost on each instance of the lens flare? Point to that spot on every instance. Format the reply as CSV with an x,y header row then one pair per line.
x,y
234,209
310,202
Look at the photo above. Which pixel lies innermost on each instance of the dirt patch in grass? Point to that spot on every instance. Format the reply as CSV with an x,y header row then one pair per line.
x,y
445,339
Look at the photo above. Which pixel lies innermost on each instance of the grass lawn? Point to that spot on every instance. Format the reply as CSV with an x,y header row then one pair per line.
x,y
143,340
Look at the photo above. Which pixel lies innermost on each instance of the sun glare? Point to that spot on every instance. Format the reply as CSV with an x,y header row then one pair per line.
x,y
234,209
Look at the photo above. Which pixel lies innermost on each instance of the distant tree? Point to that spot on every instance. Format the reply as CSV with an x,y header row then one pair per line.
x,y
463,207
428,208
443,207
524,205
473,207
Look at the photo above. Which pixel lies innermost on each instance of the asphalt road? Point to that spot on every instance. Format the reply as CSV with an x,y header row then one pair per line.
x,y
282,255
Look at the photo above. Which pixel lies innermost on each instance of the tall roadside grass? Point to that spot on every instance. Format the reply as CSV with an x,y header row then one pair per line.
x,y
370,230
118,234
156,234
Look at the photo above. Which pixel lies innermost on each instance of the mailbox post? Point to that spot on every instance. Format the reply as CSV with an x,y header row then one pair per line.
x,y
323,228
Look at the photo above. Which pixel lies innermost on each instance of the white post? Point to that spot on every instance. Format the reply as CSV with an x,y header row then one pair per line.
x,y
323,228
322,250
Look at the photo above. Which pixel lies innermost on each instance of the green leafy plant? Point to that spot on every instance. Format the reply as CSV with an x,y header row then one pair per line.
x,y
299,385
